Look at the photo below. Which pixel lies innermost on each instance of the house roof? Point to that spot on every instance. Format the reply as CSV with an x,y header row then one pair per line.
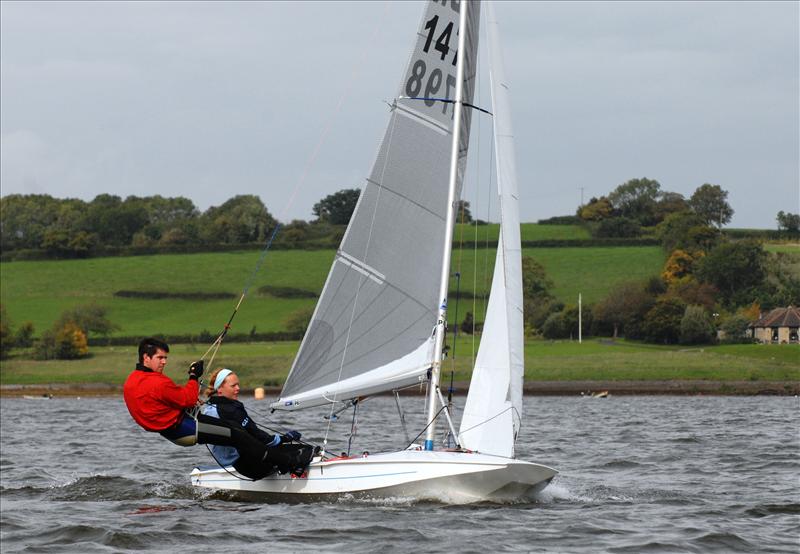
x,y
780,317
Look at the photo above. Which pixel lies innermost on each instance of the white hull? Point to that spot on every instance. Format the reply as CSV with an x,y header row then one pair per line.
x,y
453,477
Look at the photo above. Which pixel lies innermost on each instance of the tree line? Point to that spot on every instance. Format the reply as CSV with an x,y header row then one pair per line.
x,y
709,283
76,228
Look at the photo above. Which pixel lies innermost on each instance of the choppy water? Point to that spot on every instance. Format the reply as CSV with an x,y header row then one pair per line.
x,y
638,474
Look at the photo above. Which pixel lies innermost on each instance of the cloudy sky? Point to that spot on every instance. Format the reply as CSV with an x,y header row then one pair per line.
x,y
288,100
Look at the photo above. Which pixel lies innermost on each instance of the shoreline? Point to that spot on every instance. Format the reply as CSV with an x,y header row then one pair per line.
x,y
530,388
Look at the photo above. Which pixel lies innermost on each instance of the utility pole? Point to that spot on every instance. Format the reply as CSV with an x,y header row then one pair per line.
x,y
580,322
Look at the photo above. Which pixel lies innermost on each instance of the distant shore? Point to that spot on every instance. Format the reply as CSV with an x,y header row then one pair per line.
x,y
532,388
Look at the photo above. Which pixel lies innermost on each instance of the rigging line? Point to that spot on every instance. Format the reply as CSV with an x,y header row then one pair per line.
x,y
225,468
218,342
426,427
357,68
485,421
362,278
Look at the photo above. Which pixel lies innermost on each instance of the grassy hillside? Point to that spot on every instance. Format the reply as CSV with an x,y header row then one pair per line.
x,y
39,291
268,363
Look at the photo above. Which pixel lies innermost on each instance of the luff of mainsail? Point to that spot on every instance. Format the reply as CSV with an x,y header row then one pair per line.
x,y
493,409
372,329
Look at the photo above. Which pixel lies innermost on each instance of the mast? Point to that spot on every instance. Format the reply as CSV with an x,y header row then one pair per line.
x,y
441,324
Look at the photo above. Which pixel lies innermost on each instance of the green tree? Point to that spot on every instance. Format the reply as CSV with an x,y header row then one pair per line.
x,y
535,283
736,269
23,338
463,215
571,321
24,219
696,328
686,231
624,308
114,221
537,310
788,222
337,208
241,219
670,203
735,329
555,327
662,323
637,199
710,203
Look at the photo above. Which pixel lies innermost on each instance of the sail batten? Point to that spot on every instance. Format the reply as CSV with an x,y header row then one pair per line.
x,y
380,300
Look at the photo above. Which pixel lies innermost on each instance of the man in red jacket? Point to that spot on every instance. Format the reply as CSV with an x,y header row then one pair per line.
x,y
157,404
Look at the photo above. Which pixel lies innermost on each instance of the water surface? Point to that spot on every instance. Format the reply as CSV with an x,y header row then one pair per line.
x,y
637,474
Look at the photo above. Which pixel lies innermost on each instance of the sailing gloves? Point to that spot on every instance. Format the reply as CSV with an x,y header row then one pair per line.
x,y
291,436
196,370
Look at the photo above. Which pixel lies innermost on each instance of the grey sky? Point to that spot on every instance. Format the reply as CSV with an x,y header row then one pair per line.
x,y
208,100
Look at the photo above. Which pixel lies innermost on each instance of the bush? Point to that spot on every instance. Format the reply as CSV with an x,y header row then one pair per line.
x,y
6,335
555,327
468,325
89,318
561,220
63,342
23,338
298,320
286,292
617,227
537,310
696,327
734,329
663,322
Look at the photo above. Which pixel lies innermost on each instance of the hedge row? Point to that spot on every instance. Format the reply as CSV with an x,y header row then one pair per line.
x,y
124,251
31,255
202,338
286,292
760,234
161,295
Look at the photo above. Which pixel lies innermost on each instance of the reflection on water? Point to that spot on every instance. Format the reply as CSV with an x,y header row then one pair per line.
x,y
637,474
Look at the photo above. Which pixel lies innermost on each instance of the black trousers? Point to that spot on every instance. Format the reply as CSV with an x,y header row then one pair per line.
x,y
256,460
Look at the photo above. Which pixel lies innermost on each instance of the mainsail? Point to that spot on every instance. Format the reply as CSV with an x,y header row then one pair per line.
x,y
372,328
493,408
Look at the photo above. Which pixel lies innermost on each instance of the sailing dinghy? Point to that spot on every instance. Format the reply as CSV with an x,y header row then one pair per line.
x,y
379,325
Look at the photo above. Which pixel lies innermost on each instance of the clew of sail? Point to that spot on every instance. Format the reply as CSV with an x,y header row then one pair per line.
x,y
493,409
372,329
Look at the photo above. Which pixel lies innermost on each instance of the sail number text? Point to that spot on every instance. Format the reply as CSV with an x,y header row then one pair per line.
x,y
428,84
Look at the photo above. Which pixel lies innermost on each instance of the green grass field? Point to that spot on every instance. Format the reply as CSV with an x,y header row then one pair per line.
x,y
268,363
528,231
792,248
39,291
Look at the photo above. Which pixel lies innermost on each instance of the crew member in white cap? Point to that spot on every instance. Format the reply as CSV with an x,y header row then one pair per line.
x,y
223,403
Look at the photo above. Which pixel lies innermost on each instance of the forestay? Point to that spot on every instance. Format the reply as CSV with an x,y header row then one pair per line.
x,y
372,328
493,408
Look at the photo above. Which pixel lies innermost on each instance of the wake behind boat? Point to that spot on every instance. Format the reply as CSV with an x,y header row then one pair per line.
x,y
380,322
